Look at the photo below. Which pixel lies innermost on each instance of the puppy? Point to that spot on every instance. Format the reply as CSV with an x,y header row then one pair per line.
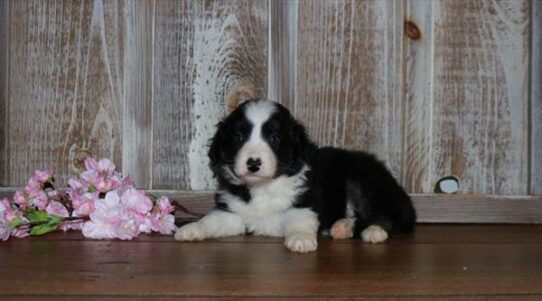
x,y
273,181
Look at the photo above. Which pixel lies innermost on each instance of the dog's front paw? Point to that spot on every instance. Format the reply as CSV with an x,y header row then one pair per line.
x,y
374,234
190,232
343,228
301,242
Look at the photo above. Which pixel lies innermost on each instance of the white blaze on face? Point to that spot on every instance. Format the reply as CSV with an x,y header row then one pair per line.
x,y
255,146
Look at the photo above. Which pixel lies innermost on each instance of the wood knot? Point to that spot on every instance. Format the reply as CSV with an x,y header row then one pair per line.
x,y
77,158
412,31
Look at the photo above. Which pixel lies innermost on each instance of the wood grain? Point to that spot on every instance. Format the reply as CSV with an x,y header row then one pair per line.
x,y
64,84
349,56
283,51
418,97
437,262
4,84
480,107
201,50
536,99
138,92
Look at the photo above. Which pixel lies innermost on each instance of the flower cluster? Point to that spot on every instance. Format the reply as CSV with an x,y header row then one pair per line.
x,y
100,202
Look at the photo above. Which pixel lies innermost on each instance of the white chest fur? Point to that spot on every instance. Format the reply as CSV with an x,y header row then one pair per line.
x,y
265,212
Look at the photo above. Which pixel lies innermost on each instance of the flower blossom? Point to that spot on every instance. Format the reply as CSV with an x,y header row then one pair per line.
x,y
101,174
111,219
8,214
56,208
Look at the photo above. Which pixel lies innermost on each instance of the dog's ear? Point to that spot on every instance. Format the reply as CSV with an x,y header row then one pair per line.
x,y
215,149
239,93
303,146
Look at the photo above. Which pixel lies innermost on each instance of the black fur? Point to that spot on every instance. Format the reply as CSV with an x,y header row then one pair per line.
x,y
335,175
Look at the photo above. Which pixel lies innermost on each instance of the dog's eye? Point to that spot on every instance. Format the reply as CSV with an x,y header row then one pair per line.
x,y
239,137
274,138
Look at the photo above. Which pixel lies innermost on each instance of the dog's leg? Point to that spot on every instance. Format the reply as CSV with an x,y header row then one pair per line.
x,y
218,223
300,230
343,228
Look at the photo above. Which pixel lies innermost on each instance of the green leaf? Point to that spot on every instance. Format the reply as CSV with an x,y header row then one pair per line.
x,y
55,219
15,222
42,229
36,216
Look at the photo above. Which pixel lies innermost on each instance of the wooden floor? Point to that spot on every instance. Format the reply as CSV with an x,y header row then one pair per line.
x,y
448,262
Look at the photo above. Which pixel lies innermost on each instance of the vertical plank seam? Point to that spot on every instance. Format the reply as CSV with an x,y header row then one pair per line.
x,y
535,100
6,92
270,68
432,93
293,14
152,49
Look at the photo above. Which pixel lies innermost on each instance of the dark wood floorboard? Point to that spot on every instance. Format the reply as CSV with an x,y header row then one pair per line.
x,y
438,262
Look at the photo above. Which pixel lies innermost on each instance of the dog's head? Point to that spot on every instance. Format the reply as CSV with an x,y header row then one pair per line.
x,y
257,142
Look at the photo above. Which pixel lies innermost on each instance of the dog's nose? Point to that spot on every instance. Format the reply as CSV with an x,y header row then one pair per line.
x,y
254,164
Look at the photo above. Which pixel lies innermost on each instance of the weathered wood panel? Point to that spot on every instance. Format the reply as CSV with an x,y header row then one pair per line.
x,y
418,96
138,92
64,84
481,93
201,50
536,99
4,79
283,51
349,75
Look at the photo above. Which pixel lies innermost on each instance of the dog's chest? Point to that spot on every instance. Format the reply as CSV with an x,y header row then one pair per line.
x,y
264,213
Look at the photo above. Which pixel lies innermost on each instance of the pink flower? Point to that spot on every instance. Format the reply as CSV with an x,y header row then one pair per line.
x,y
136,201
83,204
111,219
166,224
4,230
20,199
165,205
101,174
42,176
106,167
71,225
39,199
56,208
127,228
104,219
148,224
97,230
20,233
90,164
9,212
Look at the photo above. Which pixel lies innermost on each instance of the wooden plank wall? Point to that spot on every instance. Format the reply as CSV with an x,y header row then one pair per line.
x,y
141,82
433,87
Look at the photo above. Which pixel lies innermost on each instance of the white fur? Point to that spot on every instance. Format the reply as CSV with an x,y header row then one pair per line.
x,y
300,230
374,234
259,112
218,223
256,147
269,213
264,214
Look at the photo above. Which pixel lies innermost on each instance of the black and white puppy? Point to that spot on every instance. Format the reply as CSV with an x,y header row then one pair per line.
x,y
273,181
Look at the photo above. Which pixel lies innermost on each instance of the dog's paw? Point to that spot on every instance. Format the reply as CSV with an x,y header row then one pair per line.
x,y
190,232
343,229
374,234
301,242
